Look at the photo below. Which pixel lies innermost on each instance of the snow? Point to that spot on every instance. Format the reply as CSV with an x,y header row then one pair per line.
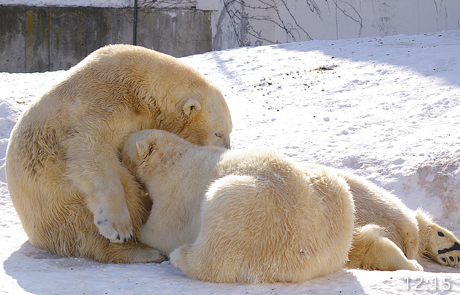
x,y
387,109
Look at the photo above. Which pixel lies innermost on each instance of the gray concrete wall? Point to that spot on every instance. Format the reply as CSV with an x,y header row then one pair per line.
x,y
38,39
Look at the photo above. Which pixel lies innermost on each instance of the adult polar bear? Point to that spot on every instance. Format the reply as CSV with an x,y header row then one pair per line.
x,y
71,192
262,219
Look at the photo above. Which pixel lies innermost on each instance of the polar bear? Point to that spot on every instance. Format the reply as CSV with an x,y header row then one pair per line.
x,y
240,216
387,235
65,178
390,236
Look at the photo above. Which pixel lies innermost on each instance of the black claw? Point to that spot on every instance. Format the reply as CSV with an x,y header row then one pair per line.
x,y
444,259
440,234
99,222
125,240
118,237
451,258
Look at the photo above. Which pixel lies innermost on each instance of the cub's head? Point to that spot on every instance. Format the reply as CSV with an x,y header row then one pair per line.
x,y
149,148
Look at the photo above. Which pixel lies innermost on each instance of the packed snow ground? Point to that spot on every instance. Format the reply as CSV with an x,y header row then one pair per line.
x,y
385,108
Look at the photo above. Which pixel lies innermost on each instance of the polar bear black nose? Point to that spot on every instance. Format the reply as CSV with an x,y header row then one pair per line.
x,y
227,142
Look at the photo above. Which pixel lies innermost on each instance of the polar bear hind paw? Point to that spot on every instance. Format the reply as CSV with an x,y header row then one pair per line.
x,y
445,248
131,252
156,256
413,265
449,256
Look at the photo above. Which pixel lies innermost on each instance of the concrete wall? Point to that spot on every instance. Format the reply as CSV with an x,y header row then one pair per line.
x,y
37,39
257,22
51,38
69,3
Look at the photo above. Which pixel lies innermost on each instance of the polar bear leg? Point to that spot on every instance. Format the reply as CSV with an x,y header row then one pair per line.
x,y
130,252
96,170
180,258
65,225
372,250
438,243
216,255
71,233
110,212
93,245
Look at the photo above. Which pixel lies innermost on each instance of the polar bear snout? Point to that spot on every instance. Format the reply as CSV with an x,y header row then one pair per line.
x,y
220,140
226,143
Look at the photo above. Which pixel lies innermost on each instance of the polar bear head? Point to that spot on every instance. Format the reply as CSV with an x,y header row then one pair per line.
x,y
165,92
185,94
198,104
176,97
144,150
207,117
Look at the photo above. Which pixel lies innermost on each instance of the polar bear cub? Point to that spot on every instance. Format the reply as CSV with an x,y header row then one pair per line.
x,y
387,234
240,216
390,236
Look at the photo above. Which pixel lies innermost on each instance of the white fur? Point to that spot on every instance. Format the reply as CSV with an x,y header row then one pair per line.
x,y
64,175
240,216
390,236
387,235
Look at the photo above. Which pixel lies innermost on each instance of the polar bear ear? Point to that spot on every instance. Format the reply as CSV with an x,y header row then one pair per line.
x,y
191,106
144,149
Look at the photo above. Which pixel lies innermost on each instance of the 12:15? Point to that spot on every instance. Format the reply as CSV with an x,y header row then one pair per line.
x,y
427,284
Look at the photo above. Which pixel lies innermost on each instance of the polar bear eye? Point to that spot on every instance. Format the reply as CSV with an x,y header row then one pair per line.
x,y
150,151
219,134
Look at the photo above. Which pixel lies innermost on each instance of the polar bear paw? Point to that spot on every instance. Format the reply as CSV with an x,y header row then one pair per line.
x,y
445,247
118,229
150,255
413,265
449,256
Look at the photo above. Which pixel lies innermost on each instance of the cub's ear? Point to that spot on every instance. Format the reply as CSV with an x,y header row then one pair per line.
x,y
191,106
144,149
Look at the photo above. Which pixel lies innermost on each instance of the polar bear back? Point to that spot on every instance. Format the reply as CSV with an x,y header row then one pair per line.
x,y
257,217
269,221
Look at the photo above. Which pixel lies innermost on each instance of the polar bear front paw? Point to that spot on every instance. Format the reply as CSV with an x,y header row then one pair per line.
x,y
118,229
445,248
